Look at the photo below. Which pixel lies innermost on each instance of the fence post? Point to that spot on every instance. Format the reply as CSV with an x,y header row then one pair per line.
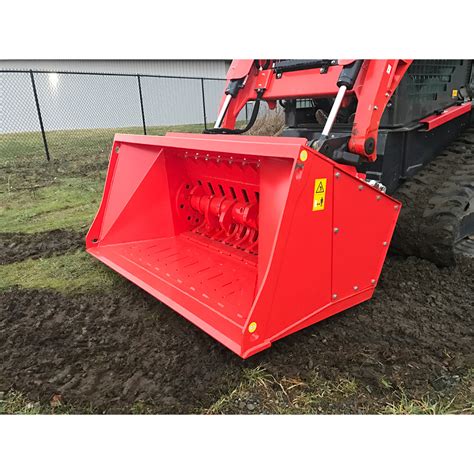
x,y
203,102
40,118
141,103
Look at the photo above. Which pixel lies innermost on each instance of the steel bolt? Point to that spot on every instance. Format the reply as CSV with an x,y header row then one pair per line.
x,y
387,94
372,281
356,287
336,230
334,296
378,198
337,174
361,187
395,207
375,107
385,244
117,149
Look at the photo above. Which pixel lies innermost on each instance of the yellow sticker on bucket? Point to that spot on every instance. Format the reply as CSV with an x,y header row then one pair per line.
x,y
252,327
319,197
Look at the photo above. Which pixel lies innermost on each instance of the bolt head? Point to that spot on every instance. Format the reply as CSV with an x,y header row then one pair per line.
x,y
361,187
372,281
334,296
395,207
337,175
385,244
336,230
355,287
378,198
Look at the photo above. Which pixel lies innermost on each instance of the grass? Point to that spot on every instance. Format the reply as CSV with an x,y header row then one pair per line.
x,y
65,203
69,273
16,403
317,395
286,395
424,406
74,143
270,124
36,195
460,401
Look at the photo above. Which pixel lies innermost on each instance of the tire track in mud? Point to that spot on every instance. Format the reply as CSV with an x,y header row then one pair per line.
x,y
16,247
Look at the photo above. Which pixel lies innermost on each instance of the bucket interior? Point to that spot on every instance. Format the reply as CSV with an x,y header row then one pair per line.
x,y
194,227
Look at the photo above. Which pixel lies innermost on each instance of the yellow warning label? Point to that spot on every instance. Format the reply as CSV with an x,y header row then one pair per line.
x,y
252,327
319,194
454,93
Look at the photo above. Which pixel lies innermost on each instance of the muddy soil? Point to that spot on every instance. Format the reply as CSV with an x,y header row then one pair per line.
x,y
15,247
107,351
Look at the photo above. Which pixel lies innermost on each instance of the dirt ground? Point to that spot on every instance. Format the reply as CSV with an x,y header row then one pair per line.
x,y
124,350
15,247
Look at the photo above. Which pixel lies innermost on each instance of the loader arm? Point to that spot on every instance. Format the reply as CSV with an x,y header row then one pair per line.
x,y
370,82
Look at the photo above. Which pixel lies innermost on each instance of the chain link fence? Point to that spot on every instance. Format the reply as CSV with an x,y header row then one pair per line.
x,y
57,114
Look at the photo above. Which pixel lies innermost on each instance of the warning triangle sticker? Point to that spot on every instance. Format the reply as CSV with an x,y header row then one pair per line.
x,y
320,188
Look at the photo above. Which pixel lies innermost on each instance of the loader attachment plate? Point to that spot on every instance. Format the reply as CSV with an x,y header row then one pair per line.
x,y
249,238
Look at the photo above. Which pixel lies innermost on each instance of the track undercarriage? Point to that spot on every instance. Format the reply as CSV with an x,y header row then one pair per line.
x,y
437,217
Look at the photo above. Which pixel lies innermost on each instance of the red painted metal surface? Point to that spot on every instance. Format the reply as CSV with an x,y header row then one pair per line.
x,y
373,88
238,234
450,113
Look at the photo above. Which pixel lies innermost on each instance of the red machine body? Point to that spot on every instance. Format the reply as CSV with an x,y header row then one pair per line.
x,y
373,87
250,238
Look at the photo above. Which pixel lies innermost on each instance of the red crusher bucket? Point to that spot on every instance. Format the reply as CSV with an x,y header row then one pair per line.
x,y
249,238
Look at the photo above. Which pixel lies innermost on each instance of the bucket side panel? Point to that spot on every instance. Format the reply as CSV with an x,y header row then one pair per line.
x,y
365,219
298,280
136,203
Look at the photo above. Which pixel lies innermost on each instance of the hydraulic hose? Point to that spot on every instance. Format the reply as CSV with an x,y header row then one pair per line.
x,y
239,131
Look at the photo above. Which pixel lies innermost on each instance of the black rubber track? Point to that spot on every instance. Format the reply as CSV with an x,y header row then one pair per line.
x,y
438,205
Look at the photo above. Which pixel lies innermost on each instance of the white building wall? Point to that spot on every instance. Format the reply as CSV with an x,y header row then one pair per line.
x,y
83,101
189,68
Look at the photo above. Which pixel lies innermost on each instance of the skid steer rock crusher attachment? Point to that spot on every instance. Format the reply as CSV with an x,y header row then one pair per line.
x,y
249,238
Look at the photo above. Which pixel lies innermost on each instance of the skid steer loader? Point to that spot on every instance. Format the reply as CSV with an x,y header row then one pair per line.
x,y
252,238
